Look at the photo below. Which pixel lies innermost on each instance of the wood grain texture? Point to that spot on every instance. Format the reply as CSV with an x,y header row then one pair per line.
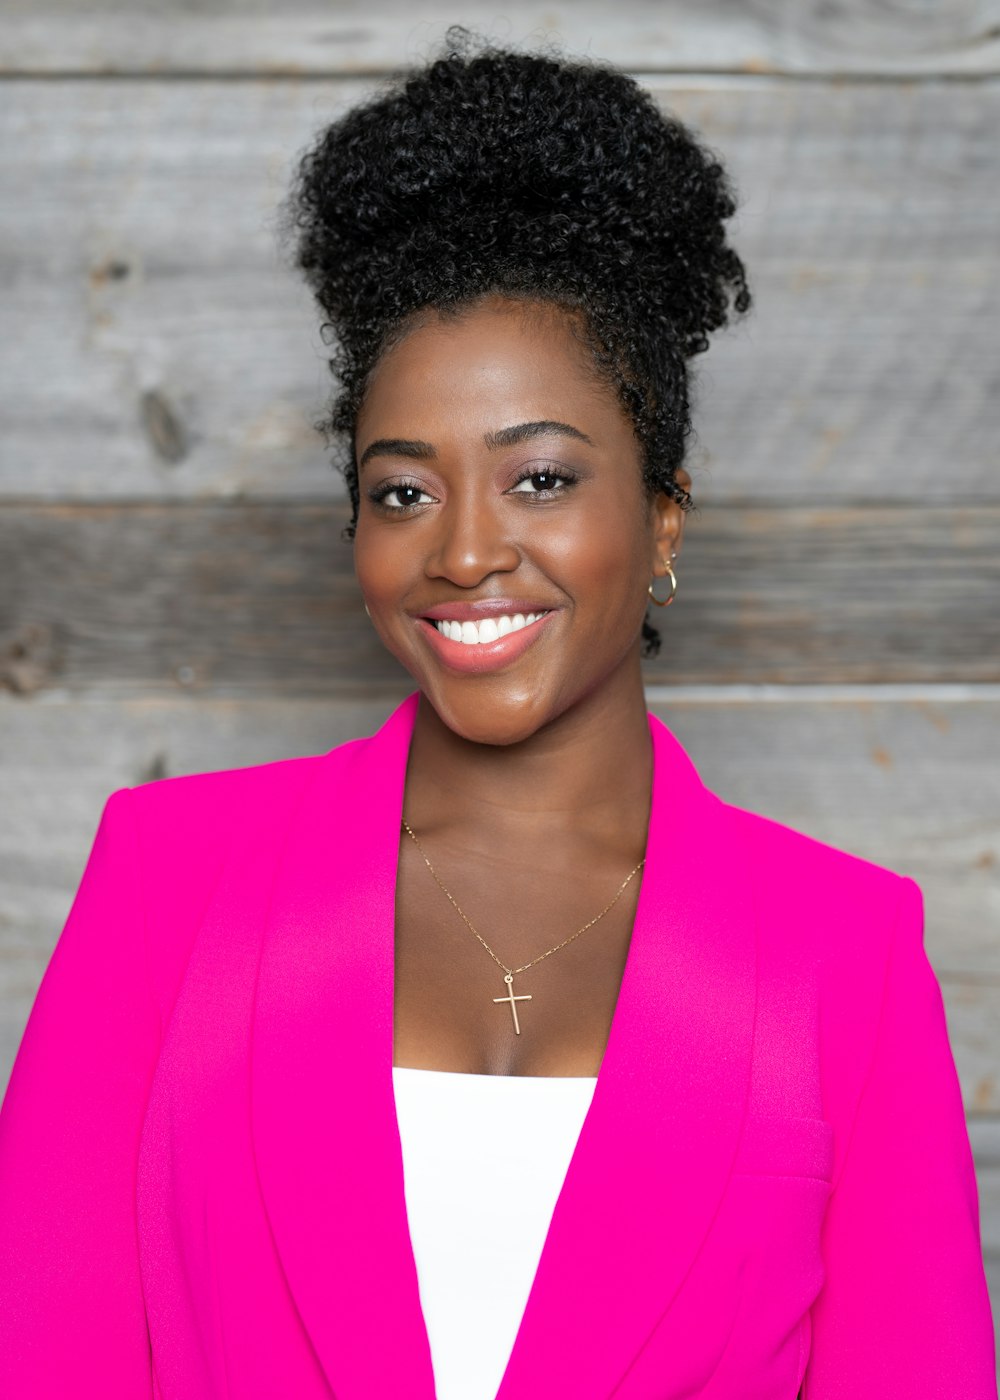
x,y
984,1134
833,657
309,36
158,347
261,599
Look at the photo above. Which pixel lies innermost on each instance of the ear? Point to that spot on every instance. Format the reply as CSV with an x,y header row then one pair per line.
x,y
667,526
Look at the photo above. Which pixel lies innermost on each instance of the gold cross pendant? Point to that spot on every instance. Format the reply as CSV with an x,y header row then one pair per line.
x,y
509,979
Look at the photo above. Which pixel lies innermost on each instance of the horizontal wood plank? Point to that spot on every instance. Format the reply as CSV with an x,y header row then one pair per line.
x,y
157,346
309,36
985,1137
261,599
984,1134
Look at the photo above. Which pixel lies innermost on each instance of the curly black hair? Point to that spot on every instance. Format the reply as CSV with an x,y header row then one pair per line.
x,y
536,177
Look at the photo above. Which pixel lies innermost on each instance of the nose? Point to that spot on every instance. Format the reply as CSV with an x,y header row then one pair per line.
x,y
472,541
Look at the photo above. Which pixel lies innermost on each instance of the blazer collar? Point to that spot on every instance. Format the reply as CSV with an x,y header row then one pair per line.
x,y
656,1148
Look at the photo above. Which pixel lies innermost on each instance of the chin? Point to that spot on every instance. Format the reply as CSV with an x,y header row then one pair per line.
x,y
488,714
495,736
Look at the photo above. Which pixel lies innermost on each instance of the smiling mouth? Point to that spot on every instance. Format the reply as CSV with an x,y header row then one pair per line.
x,y
488,629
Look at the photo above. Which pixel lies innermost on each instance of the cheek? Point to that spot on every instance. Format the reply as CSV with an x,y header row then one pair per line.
x,y
602,556
378,568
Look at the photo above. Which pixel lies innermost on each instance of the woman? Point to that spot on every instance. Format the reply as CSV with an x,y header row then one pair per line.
x,y
494,1054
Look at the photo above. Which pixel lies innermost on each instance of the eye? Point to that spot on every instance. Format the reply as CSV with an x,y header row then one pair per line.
x,y
543,481
399,495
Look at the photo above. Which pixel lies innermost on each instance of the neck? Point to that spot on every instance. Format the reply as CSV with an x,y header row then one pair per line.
x,y
588,769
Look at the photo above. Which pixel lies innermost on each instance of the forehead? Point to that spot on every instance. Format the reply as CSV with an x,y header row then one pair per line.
x,y
496,362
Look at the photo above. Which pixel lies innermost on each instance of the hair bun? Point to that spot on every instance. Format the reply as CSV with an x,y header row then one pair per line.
x,y
511,168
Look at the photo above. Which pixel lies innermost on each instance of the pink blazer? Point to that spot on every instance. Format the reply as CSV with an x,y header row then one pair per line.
x,y
201,1181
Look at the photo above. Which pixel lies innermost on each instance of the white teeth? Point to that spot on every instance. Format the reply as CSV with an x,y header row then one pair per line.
x,y
489,630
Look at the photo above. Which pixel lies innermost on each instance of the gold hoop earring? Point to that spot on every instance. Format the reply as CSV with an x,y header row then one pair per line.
x,y
665,602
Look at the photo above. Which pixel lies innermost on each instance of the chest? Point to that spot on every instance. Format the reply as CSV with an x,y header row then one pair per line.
x,y
481,983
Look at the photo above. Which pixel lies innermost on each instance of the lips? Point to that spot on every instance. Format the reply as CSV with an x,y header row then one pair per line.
x,y
473,638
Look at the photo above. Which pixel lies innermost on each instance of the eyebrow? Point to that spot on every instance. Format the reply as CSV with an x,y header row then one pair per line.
x,y
522,432
397,447
417,450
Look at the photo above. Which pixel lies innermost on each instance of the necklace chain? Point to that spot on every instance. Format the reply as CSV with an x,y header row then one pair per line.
x,y
510,971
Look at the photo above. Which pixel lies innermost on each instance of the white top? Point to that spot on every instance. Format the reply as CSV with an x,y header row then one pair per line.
x,y
484,1159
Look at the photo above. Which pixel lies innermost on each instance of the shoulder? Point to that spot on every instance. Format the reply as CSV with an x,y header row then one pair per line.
x,y
195,819
795,879
834,915
198,814
840,942
182,840
796,866
184,827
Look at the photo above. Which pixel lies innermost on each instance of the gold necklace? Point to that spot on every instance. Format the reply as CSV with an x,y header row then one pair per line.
x,y
511,972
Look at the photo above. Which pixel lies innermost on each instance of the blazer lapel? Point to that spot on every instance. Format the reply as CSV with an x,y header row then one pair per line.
x,y
657,1145
323,1113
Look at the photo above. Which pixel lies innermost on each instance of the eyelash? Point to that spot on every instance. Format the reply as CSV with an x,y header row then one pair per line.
x,y
379,494
567,478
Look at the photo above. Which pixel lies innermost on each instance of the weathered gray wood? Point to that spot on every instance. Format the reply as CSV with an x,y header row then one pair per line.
x,y
906,783
984,1134
973,1009
261,599
236,36
156,347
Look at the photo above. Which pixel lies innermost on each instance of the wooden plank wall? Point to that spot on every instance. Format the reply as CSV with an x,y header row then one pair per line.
x,y
174,593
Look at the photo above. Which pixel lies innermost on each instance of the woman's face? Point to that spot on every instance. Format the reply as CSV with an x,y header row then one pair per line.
x,y
502,500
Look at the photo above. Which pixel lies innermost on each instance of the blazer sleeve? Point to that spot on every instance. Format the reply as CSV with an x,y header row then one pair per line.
x,y
904,1313
72,1318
